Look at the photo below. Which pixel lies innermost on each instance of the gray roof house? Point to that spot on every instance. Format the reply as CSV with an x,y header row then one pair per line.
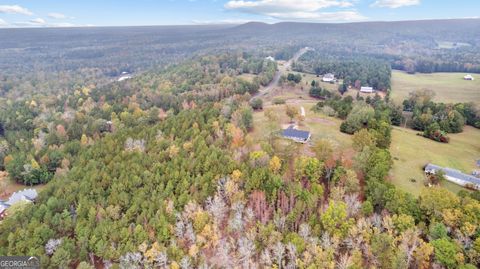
x,y
296,135
27,195
455,176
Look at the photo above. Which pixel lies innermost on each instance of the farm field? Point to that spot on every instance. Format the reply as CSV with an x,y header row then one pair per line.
x,y
448,87
411,152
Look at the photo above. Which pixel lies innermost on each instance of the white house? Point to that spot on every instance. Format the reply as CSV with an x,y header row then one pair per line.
x,y
328,77
455,176
468,77
270,58
124,77
367,89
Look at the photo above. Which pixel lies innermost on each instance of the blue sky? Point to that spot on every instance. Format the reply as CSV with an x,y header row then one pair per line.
x,y
57,13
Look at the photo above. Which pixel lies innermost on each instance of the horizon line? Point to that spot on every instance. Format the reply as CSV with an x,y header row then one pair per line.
x,y
231,24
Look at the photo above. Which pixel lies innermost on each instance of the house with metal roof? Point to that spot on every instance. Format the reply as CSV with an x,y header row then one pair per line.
x,y
296,135
455,176
26,195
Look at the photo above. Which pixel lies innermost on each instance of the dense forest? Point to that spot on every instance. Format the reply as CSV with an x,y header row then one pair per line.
x,y
163,170
43,134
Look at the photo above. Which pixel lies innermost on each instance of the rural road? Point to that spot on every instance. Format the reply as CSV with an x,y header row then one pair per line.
x,y
279,73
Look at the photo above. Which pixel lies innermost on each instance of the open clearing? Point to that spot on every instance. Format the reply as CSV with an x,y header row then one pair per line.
x,y
411,152
448,87
319,125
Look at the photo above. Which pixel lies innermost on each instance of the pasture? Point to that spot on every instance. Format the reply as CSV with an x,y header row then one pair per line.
x,y
448,87
411,152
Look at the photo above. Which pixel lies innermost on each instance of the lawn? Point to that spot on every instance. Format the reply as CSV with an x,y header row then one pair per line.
x,y
319,125
448,87
412,152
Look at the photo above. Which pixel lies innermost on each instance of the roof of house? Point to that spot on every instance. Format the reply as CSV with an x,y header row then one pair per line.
x,y
329,75
366,88
23,195
454,173
292,132
3,206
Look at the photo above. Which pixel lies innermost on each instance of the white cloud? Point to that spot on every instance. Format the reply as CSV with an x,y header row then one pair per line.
x,y
320,16
59,16
38,21
14,9
395,3
301,10
3,23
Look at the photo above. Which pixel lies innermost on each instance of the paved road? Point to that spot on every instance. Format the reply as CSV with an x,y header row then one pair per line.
x,y
276,78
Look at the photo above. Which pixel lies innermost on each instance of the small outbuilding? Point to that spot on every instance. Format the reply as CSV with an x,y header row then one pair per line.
x,y
367,90
296,135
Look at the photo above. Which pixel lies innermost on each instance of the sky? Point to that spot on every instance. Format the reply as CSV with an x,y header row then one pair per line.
x,y
69,13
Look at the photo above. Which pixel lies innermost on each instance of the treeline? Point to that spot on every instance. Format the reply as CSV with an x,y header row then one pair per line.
x,y
436,120
355,71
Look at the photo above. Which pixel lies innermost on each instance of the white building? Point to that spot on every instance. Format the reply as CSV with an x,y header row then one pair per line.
x,y
328,77
455,176
468,77
270,58
367,89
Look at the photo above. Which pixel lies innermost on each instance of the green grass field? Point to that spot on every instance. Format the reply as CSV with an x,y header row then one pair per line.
x,y
319,125
412,152
448,87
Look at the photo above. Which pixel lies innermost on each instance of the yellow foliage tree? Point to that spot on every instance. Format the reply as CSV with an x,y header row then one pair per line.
x,y
275,164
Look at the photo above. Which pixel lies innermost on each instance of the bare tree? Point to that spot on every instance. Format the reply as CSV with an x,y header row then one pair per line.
x,y
278,252
185,263
246,249
161,260
217,208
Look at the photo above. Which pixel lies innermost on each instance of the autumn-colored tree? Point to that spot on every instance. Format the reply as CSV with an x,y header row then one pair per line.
x,y
292,112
